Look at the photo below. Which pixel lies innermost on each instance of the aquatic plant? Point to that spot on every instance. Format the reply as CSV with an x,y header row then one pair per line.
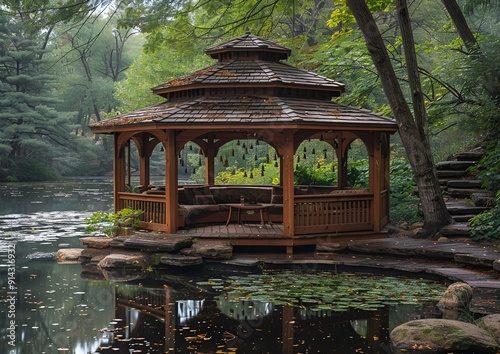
x,y
110,224
326,290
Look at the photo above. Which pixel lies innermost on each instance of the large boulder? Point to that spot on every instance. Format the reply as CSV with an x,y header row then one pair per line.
x,y
435,335
455,300
210,250
68,255
491,324
119,260
96,242
153,242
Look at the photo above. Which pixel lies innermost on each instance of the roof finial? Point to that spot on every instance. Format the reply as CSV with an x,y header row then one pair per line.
x,y
247,32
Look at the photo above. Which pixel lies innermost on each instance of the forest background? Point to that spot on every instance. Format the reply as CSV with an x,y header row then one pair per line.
x,y
63,67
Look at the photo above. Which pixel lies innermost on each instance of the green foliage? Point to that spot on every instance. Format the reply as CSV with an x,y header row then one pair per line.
x,y
403,203
29,169
109,224
321,174
489,167
486,226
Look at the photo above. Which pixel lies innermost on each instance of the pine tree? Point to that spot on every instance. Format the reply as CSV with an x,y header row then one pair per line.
x,y
32,132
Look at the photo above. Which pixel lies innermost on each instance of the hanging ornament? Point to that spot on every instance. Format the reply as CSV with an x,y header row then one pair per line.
x,y
275,156
181,162
255,157
190,147
298,159
180,154
244,146
262,170
318,165
221,159
199,161
232,152
325,156
243,157
251,146
251,174
305,156
305,149
194,170
186,170
245,174
246,150
276,164
257,142
238,142
321,137
267,158
314,152
333,167
297,166
226,163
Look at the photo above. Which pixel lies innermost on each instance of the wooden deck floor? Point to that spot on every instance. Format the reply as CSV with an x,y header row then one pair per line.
x,y
235,231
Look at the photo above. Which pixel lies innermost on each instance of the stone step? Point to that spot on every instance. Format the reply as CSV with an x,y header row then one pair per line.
x,y
457,229
462,192
451,173
464,183
454,165
468,156
463,218
463,208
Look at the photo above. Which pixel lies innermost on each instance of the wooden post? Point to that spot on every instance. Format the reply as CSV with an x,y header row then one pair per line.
x,y
288,185
210,162
171,183
118,171
376,174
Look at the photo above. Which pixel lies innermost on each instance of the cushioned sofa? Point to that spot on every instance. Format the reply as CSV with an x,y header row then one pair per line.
x,y
204,204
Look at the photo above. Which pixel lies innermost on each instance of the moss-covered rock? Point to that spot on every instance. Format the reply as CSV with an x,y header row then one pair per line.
x,y
441,336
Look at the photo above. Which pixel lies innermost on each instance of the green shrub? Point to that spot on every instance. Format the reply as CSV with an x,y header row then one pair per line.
x,y
489,167
109,224
403,203
486,226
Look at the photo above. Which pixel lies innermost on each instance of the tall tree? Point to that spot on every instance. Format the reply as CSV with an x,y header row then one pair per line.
x,y
30,127
418,150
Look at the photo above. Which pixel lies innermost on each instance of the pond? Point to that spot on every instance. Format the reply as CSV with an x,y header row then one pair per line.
x,y
51,308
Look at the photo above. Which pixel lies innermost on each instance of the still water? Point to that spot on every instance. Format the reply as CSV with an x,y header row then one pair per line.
x,y
52,308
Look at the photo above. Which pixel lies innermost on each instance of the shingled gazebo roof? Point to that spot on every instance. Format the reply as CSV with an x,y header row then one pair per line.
x,y
249,85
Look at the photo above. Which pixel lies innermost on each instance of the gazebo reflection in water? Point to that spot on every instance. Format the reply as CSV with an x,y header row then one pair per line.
x,y
176,319
249,94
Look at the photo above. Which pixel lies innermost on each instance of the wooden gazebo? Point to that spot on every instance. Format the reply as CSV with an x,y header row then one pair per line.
x,y
250,92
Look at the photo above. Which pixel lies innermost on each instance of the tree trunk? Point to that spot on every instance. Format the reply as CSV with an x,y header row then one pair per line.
x,y
460,24
418,150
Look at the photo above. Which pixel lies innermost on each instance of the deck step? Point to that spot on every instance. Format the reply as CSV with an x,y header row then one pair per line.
x,y
462,208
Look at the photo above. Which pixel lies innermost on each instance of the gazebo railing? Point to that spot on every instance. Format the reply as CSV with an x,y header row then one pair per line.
x,y
326,213
153,208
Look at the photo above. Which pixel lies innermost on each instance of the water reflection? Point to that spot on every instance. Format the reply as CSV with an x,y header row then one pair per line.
x,y
180,317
